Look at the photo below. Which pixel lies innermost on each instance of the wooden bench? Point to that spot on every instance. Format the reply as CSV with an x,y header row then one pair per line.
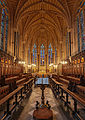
x,y
74,96
76,80
11,79
21,81
60,80
73,79
56,82
64,81
28,81
2,101
19,95
4,91
28,87
6,99
81,90
63,93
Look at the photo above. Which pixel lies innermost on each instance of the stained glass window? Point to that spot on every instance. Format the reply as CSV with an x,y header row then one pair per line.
x,y
68,42
2,27
83,4
82,29
50,54
66,46
6,38
29,56
4,3
1,3
35,54
78,33
42,54
6,10
55,55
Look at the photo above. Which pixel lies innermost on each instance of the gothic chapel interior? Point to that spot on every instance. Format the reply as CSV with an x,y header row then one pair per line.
x,y
42,59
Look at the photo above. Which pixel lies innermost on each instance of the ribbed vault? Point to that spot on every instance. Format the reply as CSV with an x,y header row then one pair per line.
x,y
46,20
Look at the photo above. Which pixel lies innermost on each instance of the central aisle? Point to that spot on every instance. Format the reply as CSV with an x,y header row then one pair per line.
x,y
29,105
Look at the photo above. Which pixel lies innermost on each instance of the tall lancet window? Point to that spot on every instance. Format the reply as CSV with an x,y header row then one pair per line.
x,y
35,54
6,36
82,29
2,28
4,25
78,34
42,54
29,56
55,55
50,54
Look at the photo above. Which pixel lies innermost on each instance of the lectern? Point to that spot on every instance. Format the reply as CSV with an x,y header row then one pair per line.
x,y
42,111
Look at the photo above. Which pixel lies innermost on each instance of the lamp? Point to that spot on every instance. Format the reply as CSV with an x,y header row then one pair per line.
x,y
34,65
22,62
63,62
51,64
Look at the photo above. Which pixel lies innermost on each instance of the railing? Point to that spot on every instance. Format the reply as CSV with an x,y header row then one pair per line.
x,y
64,94
18,94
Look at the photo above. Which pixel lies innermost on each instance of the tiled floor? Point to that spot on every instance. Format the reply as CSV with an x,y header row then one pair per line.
x,y
25,112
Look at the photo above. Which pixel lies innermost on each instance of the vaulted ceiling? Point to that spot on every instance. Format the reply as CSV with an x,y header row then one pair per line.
x,y
43,20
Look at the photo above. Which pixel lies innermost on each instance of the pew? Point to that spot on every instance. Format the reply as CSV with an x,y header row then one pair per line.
x,y
76,80
63,93
11,79
56,81
21,81
2,101
60,79
73,79
19,95
12,82
74,95
64,81
27,85
4,91
55,85
81,90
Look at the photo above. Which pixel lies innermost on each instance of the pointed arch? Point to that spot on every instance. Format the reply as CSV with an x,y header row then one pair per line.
x,y
34,54
50,54
4,25
42,54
